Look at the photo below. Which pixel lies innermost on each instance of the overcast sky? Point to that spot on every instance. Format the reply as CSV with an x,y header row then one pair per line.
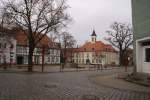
x,y
96,14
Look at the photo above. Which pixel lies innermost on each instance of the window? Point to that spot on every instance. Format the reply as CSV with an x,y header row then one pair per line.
x,y
147,55
52,51
58,52
96,60
92,60
87,55
92,39
79,55
52,60
76,55
93,54
100,61
18,49
11,46
79,60
25,59
5,45
24,50
38,50
146,43
82,60
57,60
48,59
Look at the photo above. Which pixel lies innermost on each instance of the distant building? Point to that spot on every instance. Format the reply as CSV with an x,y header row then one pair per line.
x,y
20,49
96,52
7,46
51,55
141,23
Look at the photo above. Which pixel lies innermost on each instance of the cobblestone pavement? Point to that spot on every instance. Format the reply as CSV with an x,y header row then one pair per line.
x,y
61,86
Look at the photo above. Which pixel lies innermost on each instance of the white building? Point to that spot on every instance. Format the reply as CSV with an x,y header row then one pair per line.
x,y
96,52
14,49
51,49
51,56
7,48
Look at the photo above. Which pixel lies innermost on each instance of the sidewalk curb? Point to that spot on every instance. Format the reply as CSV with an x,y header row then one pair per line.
x,y
92,79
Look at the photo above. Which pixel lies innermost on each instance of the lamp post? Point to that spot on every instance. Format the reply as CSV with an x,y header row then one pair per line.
x,y
127,63
77,57
43,52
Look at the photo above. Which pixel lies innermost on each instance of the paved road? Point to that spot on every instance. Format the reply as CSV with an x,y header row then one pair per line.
x,y
61,86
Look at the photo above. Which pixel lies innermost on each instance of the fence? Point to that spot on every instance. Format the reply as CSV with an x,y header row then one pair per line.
x,y
53,68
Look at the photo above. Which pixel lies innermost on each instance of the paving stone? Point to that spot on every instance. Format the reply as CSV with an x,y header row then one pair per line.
x,y
61,86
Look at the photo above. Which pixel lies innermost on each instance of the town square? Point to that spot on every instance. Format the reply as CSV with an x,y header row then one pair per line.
x,y
74,50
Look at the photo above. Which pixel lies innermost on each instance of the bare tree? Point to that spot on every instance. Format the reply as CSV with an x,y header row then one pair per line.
x,y
121,36
68,42
36,18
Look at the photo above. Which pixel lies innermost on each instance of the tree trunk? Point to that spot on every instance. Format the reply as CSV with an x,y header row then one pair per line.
x,y
30,58
121,57
120,61
65,56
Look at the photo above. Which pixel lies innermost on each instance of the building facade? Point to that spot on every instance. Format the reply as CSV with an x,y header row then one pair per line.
x,y
96,52
51,55
16,51
141,23
7,47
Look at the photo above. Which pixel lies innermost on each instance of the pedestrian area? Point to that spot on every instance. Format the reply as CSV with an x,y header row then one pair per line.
x,y
63,86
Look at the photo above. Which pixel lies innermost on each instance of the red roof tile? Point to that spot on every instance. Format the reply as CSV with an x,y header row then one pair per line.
x,y
21,38
46,41
95,47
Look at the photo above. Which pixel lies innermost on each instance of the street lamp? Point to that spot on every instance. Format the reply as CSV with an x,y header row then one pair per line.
x,y
77,57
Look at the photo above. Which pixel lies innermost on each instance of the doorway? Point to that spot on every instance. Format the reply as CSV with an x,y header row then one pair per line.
x,y
146,59
19,60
